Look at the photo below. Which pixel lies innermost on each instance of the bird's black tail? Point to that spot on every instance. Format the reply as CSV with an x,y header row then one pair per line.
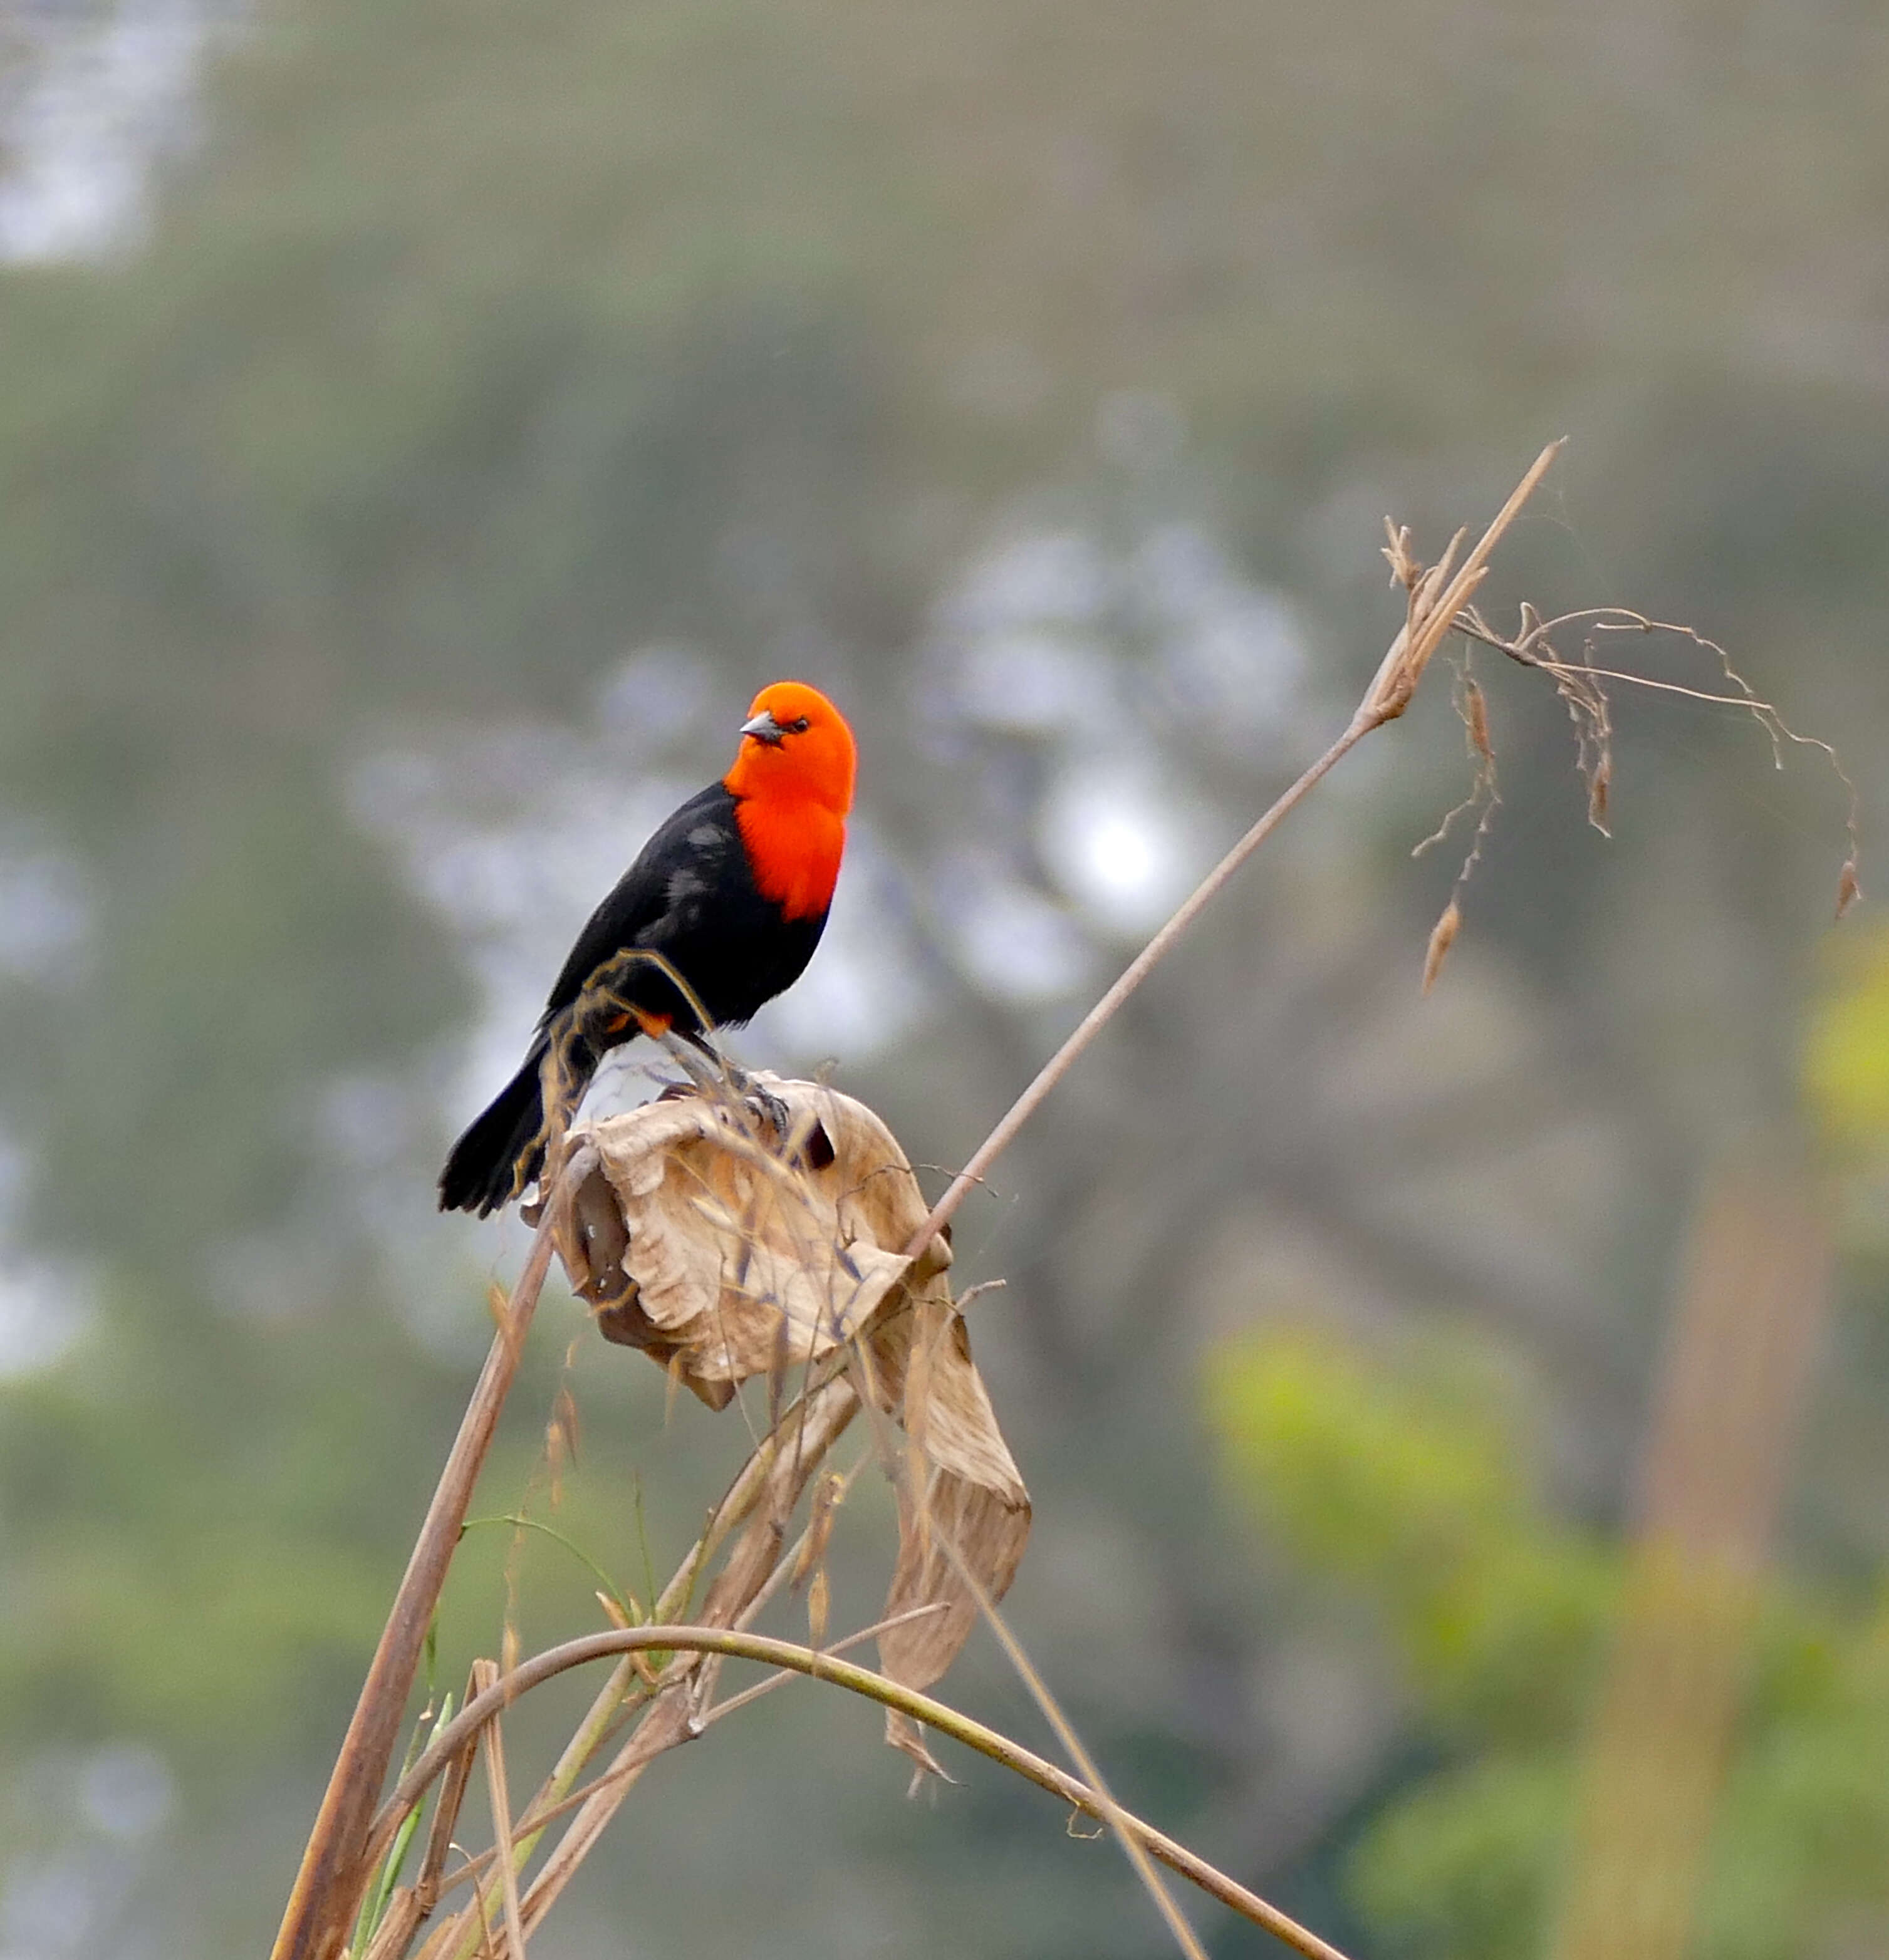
x,y
503,1148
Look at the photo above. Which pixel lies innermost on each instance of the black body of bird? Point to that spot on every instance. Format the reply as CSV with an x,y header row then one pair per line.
x,y
732,891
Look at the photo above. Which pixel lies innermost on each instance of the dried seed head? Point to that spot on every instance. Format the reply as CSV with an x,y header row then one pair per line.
x,y
1599,784
614,1613
819,1598
560,1440
1848,890
1404,569
1442,937
1476,718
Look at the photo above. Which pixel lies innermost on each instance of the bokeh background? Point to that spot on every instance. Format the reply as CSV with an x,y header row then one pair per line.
x,y
421,429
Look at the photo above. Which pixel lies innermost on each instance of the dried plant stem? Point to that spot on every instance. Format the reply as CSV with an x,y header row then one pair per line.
x,y
1431,618
487,1675
827,1667
769,1484
1098,1016
794,1451
1104,1805
333,1871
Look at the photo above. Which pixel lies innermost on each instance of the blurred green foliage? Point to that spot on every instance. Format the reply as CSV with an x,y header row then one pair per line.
x,y
1846,1057
1403,1478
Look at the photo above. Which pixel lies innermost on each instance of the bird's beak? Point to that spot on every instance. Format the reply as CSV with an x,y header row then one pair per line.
x,y
764,728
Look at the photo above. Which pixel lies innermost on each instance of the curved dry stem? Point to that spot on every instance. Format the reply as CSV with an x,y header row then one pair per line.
x,y
538,1820
817,1666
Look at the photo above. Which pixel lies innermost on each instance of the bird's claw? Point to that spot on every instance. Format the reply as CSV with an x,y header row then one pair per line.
x,y
770,1111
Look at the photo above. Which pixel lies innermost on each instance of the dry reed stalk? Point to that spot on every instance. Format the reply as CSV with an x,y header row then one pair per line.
x,y
485,1677
763,1496
1429,620
333,1873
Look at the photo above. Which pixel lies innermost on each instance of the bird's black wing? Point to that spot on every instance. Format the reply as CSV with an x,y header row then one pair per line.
x,y
695,855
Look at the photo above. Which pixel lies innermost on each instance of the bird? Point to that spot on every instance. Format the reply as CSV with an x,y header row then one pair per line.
x,y
730,895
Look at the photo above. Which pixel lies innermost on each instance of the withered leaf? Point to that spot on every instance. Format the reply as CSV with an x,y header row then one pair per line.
x,y
740,1263
700,1245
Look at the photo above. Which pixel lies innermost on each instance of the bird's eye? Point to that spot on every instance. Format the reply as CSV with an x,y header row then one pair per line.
x,y
799,727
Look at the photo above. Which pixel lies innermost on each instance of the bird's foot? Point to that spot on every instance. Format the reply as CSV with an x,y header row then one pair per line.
x,y
719,1078
769,1110
715,1077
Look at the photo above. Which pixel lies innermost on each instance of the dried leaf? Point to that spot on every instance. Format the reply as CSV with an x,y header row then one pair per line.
x,y
1442,937
594,1222
827,1494
725,1262
971,1500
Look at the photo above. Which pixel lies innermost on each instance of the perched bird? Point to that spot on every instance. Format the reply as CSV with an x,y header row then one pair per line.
x,y
731,891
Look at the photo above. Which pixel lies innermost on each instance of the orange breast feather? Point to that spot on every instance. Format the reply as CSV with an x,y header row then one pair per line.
x,y
794,848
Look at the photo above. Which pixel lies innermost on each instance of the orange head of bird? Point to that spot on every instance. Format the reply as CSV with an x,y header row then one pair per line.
x,y
795,749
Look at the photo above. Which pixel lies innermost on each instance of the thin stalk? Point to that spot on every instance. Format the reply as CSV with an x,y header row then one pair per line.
x,y
1386,697
773,1475
334,1872
501,1800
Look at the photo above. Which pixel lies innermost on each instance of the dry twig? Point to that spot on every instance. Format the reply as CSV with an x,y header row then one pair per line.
x,y
1581,686
485,1678
333,1874
1434,605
